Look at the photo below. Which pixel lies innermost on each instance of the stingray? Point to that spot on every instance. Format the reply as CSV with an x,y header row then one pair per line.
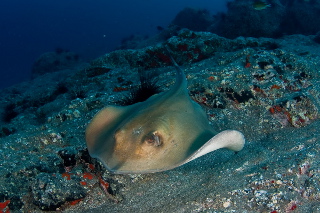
x,y
166,131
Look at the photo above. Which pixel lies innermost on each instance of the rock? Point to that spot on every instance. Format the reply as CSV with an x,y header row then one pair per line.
x,y
243,20
283,17
54,61
193,19
50,191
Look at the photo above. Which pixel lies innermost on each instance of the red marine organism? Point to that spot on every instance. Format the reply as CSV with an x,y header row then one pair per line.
x,y
247,64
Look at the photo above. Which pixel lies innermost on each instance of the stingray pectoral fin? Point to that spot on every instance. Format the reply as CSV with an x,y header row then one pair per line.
x,y
230,139
101,126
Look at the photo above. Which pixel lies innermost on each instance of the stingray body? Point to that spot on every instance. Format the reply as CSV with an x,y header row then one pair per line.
x,y
161,133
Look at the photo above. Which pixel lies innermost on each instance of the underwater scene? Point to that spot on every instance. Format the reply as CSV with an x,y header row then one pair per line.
x,y
214,108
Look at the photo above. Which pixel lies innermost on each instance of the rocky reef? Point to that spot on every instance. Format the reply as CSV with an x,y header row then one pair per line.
x,y
282,17
266,88
55,61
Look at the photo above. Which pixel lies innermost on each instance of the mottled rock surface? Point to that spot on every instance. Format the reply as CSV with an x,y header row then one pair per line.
x,y
266,88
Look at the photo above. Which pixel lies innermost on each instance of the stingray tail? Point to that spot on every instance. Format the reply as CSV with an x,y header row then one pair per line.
x,y
180,76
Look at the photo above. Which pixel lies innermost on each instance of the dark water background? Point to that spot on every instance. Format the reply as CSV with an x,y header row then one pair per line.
x,y
89,28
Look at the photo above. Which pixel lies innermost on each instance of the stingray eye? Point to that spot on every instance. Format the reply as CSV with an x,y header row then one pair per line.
x,y
153,139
